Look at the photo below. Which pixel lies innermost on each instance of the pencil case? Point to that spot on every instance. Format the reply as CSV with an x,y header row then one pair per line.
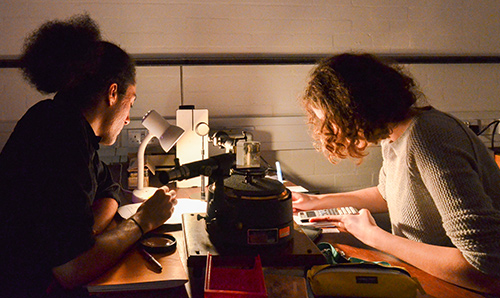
x,y
359,278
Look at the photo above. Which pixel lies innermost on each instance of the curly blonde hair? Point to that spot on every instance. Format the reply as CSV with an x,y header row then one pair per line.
x,y
361,98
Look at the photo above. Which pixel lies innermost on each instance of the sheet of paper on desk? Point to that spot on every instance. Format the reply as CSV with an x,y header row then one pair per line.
x,y
326,226
183,206
297,188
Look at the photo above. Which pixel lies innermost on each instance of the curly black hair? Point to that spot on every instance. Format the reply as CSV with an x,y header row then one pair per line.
x,y
70,56
361,98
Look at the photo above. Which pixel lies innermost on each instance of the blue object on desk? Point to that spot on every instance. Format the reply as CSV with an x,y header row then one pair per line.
x,y
278,172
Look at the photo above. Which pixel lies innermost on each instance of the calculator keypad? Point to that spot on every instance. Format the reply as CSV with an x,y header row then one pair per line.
x,y
331,211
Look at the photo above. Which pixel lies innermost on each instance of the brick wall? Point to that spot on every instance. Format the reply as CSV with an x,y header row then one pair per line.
x,y
266,95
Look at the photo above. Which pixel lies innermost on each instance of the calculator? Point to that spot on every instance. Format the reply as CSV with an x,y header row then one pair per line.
x,y
304,216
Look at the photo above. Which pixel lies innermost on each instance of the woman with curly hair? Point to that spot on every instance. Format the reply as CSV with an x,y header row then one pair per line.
x,y
438,182
58,198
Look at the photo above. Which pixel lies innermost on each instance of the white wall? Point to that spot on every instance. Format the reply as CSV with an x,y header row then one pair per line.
x,y
296,26
264,97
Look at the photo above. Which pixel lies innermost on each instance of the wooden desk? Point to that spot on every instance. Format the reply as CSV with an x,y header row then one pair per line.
x,y
352,247
133,276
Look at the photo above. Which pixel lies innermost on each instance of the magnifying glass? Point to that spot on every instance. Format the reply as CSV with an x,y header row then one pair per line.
x,y
158,243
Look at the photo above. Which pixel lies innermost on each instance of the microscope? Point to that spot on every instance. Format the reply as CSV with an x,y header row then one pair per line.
x,y
245,208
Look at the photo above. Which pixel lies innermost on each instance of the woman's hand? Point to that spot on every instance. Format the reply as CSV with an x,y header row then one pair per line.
x,y
157,209
360,225
302,201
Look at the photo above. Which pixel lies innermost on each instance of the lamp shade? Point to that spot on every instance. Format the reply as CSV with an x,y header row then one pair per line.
x,y
166,133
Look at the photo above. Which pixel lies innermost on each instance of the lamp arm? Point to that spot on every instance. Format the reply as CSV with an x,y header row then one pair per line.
x,y
140,160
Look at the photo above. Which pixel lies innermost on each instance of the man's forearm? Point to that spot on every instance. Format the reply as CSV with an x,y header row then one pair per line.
x,y
104,211
109,247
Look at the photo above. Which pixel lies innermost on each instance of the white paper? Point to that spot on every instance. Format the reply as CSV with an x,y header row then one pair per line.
x,y
183,206
297,189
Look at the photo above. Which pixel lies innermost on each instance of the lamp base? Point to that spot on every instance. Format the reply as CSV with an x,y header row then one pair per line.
x,y
141,195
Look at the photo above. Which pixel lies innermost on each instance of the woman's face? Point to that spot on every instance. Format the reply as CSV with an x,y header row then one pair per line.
x,y
319,113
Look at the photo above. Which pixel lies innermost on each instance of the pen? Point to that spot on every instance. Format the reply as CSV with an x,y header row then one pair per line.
x,y
151,260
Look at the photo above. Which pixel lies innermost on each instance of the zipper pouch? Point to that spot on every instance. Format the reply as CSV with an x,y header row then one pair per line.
x,y
358,278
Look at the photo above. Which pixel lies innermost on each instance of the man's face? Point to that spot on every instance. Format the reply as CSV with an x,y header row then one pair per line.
x,y
117,117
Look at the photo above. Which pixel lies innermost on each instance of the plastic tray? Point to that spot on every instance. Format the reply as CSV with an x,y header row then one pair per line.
x,y
234,277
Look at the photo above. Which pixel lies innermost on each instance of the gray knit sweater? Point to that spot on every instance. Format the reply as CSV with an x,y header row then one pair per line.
x,y
442,187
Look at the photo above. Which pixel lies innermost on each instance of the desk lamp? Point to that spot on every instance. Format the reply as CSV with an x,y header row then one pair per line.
x,y
167,135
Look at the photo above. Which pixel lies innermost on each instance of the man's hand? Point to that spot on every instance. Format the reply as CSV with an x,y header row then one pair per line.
x,y
157,209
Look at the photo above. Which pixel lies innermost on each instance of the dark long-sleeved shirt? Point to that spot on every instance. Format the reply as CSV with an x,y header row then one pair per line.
x,y
50,174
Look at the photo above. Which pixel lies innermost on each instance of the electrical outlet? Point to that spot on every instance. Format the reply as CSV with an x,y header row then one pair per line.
x,y
474,125
135,137
496,125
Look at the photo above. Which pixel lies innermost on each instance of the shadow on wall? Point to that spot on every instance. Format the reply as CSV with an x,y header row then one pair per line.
x,y
310,169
